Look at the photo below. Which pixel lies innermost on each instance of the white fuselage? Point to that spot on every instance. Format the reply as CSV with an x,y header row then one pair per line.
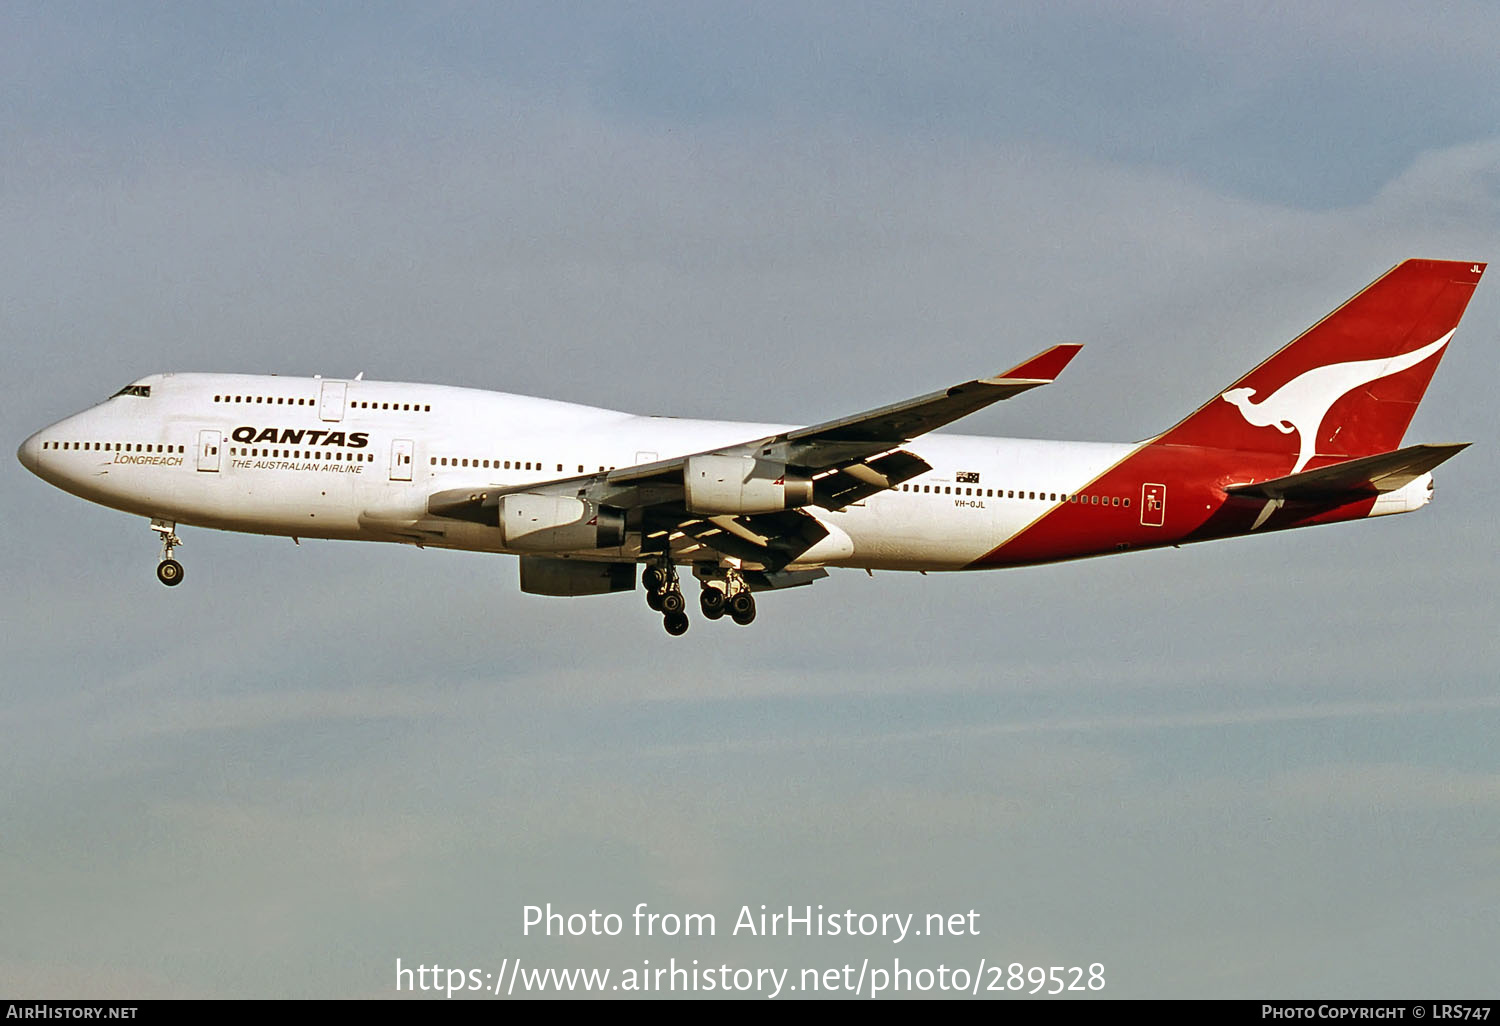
x,y
325,458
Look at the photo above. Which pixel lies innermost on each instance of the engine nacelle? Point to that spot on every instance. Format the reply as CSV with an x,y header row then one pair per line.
x,y
557,523
742,484
547,575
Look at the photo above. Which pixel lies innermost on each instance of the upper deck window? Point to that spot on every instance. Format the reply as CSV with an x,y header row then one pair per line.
x,y
141,390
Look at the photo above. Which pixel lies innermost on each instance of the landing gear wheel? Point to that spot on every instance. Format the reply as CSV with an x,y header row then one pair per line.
x,y
672,602
675,623
742,608
712,603
653,579
168,571
653,599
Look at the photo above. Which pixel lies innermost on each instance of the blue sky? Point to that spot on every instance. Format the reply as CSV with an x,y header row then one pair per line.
x,y
1258,767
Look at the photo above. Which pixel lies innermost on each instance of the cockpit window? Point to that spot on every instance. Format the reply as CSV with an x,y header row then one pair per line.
x,y
141,390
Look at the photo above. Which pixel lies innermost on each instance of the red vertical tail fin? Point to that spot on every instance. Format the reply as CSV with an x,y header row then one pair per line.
x,y
1349,385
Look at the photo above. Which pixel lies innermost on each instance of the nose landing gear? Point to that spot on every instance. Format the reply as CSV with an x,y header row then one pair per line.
x,y
168,571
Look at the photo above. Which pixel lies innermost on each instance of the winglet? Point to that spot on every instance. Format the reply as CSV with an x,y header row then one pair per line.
x,y
1044,366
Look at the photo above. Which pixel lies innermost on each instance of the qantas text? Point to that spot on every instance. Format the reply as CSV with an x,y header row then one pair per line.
x,y
301,436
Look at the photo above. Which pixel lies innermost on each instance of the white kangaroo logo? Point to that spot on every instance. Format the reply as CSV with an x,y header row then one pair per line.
x,y
1301,404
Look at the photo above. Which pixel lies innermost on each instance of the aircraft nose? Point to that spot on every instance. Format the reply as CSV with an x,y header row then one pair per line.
x,y
30,453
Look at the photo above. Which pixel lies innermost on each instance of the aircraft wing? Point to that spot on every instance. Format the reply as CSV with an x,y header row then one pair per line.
x,y
847,460
864,450
903,421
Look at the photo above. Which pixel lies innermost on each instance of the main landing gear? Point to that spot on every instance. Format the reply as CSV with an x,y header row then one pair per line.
x,y
723,592
664,594
168,571
730,595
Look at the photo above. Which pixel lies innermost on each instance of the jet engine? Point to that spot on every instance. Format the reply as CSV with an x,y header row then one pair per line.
x,y
716,483
558,523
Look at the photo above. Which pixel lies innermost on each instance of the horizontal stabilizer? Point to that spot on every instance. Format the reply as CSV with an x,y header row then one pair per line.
x,y
1368,475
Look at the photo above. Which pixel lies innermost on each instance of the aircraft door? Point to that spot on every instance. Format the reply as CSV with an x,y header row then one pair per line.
x,y
331,400
1153,505
208,451
401,454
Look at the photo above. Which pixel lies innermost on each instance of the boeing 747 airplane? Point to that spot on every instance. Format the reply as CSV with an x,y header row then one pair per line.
x,y
584,496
